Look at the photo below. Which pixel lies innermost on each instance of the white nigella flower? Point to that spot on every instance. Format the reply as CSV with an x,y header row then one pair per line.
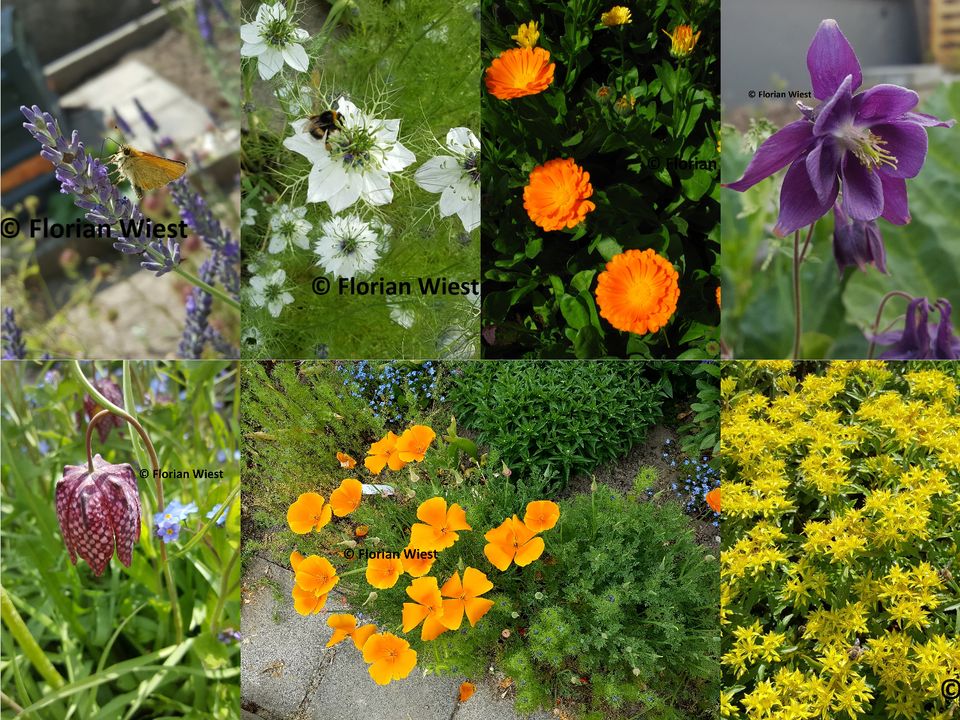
x,y
274,39
269,291
401,315
352,162
288,227
457,176
348,246
249,216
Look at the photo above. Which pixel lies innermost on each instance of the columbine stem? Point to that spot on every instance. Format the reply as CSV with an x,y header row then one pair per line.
x,y
876,323
797,311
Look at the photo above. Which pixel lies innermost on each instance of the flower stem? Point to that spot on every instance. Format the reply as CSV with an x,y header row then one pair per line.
x,y
207,287
797,310
21,633
876,323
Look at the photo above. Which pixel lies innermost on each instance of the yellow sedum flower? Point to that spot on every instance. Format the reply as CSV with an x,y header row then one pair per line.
x,y
617,15
527,35
682,40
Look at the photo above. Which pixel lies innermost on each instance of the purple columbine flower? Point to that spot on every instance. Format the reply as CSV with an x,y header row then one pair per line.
x,y
866,145
88,180
920,339
99,511
111,391
857,242
147,117
13,345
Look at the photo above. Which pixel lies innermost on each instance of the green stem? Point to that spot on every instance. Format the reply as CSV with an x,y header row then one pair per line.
x,y
197,282
224,592
876,323
797,310
21,633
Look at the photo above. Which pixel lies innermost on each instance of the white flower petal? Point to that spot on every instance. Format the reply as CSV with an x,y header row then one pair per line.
x,y
376,188
397,158
275,306
347,195
438,173
469,214
258,283
252,49
462,141
351,114
277,244
305,144
296,57
387,131
270,62
250,33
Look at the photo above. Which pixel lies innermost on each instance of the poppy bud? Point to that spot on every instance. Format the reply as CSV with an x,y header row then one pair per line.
x,y
98,511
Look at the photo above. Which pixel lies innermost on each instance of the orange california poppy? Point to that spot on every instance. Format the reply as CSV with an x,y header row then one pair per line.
x,y
713,499
412,445
512,542
467,689
346,498
308,602
346,461
556,196
638,291
416,563
316,574
718,297
541,515
295,559
518,72
345,626
426,608
392,657
383,573
440,530
308,513
361,531
465,598
383,453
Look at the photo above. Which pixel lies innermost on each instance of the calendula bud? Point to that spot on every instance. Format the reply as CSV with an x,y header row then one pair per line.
x,y
98,511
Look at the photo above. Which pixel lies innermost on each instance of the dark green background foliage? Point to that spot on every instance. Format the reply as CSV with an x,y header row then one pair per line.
x,y
538,293
557,418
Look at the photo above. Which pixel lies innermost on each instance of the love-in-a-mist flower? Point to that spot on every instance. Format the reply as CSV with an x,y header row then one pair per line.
x,y
638,291
390,657
682,40
270,291
440,525
348,246
274,39
556,195
99,511
308,512
456,177
519,72
920,339
289,228
857,242
527,35
865,145
357,164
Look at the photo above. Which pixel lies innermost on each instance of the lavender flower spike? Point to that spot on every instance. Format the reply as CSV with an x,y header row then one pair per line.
x,y
88,180
13,346
866,145
147,117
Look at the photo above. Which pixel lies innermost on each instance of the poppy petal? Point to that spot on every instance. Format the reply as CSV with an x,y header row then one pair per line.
x,y
433,511
498,555
529,552
413,615
452,614
476,608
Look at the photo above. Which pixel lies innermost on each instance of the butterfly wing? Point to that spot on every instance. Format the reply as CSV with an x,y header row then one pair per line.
x,y
147,171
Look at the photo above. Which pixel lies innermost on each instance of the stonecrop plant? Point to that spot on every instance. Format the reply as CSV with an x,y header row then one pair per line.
x,y
605,238
361,165
841,485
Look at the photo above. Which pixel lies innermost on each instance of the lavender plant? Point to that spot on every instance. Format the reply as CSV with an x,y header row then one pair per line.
x,y
13,345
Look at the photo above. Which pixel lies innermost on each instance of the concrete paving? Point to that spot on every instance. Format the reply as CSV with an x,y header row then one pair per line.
x,y
289,674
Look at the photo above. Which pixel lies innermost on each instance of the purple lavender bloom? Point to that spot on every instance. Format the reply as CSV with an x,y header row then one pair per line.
x,y
920,339
228,636
147,117
199,305
88,180
13,345
123,124
857,242
867,144
202,11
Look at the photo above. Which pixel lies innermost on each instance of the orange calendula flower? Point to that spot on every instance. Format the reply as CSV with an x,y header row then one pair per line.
x,y
308,513
512,542
345,626
718,297
713,499
541,515
426,608
556,196
383,453
383,572
416,563
518,72
392,657
527,35
346,461
465,597
412,445
308,602
346,498
617,15
361,531
682,40
467,689
316,574
438,531
638,291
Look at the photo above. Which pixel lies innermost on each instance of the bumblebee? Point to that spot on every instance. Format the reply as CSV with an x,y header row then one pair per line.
x,y
323,125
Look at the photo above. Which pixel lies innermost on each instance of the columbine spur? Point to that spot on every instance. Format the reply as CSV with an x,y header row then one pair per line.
x,y
920,339
864,145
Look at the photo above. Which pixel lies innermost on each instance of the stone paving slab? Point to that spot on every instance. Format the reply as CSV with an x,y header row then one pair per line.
x,y
487,704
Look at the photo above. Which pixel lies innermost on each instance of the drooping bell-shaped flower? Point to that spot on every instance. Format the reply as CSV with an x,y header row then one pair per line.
x,y
99,511
111,391
857,242
920,339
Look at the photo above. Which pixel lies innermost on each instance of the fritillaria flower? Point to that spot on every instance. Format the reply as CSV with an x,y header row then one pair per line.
x,y
456,177
99,511
857,242
274,39
866,145
390,657
556,196
518,72
638,291
111,391
920,339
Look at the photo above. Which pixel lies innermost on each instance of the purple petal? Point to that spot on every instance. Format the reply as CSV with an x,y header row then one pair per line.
x,y
823,164
883,102
946,346
862,190
836,111
776,152
800,204
830,59
907,142
928,120
896,209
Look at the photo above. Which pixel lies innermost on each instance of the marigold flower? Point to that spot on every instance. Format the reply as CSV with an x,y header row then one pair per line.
x,y
713,499
308,513
383,453
426,608
308,602
638,291
682,40
316,574
617,15
391,657
418,563
438,531
346,461
541,515
512,542
556,196
383,572
412,445
527,35
518,72
361,531
346,498
467,689
345,626
465,598
718,297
